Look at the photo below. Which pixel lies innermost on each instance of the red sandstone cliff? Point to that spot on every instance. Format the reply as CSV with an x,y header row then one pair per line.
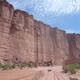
x,y
23,39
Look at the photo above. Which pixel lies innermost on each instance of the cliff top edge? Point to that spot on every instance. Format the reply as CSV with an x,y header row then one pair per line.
x,y
5,2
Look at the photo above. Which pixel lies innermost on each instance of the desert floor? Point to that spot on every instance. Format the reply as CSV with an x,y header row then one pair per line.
x,y
40,73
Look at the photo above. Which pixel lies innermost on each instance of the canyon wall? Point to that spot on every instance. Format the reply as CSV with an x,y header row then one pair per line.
x,y
24,39
74,48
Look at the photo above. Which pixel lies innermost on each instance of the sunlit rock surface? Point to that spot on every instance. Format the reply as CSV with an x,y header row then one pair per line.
x,y
24,39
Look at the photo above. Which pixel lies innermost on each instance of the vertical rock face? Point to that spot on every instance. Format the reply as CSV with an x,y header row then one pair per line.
x,y
74,47
61,46
23,39
6,14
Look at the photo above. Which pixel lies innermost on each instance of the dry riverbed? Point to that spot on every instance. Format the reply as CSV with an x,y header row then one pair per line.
x,y
40,73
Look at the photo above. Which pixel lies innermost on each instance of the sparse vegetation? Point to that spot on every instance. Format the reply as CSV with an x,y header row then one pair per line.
x,y
20,65
71,68
30,64
49,63
73,78
6,66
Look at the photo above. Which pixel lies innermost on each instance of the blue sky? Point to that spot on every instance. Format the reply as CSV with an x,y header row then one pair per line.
x,y
64,14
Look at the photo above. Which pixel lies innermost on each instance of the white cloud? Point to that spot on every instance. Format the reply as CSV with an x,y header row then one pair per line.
x,y
70,31
49,6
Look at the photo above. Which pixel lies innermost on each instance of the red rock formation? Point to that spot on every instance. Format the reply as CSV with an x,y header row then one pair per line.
x,y
23,39
6,14
74,48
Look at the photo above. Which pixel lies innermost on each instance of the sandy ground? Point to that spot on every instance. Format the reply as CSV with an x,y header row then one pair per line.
x,y
40,73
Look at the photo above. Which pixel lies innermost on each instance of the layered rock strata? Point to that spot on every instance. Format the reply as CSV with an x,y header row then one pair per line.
x,y
24,39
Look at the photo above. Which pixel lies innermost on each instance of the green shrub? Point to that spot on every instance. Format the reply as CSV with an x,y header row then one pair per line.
x,y
71,68
73,71
30,64
20,65
6,66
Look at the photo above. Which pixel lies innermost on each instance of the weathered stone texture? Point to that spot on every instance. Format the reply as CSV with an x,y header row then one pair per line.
x,y
23,39
74,47
61,47
6,14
